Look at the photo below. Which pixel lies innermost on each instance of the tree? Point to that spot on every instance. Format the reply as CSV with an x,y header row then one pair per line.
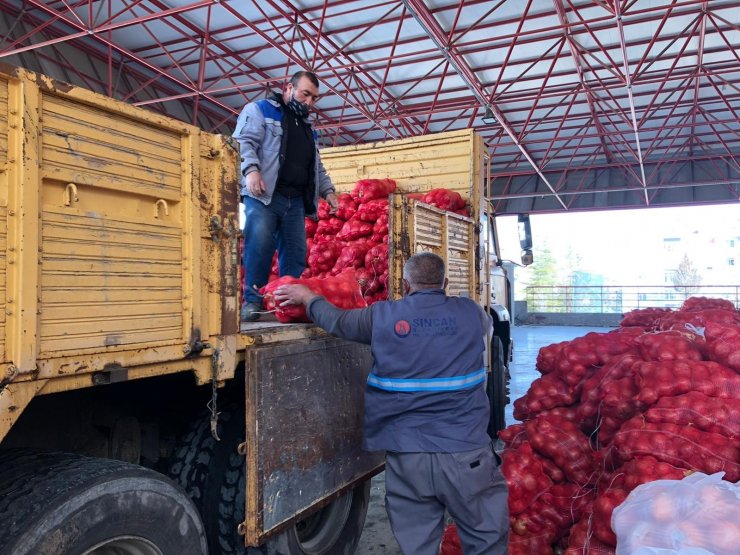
x,y
573,264
686,278
542,295
545,267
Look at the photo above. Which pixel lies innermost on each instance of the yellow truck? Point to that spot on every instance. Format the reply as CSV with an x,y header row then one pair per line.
x,y
136,416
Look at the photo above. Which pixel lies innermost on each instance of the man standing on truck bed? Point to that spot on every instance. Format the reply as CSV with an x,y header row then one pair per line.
x,y
426,406
283,178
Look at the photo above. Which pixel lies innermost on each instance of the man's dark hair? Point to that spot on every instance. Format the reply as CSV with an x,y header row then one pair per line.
x,y
298,75
425,269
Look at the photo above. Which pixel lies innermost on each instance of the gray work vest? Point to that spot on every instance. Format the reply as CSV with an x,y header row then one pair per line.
x,y
426,392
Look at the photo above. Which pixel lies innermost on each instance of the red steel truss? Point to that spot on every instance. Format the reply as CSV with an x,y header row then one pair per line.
x,y
587,97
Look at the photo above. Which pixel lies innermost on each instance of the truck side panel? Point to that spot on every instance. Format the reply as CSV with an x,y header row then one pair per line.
x,y
113,230
3,209
117,259
445,160
418,164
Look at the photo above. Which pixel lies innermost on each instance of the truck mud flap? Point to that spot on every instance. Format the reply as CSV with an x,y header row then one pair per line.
x,y
305,404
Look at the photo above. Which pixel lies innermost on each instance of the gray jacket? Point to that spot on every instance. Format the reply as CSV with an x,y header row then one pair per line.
x,y
260,132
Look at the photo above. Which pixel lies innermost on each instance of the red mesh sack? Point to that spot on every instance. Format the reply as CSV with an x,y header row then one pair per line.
x,y
611,346
577,358
329,226
708,414
642,470
513,436
644,317
553,513
310,225
698,318
354,229
444,199
549,356
723,344
379,287
531,544
703,303
525,477
671,345
324,210
569,413
608,426
521,412
341,291
668,379
346,207
285,314
323,256
603,508
552,470
367,280
549,392
618,404
582,540
681,446
589,409
564,443
352,256
565,504
372,211
618,398
376,259
380,229
450,541
370,189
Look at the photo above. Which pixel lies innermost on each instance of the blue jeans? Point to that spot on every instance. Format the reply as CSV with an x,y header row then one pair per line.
x,y
279,224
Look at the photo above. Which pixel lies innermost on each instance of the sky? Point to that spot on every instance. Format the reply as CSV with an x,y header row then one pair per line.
x,y
624,245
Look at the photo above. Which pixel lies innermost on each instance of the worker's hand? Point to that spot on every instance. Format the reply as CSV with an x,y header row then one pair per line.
x,y
331,198
255,185
293,294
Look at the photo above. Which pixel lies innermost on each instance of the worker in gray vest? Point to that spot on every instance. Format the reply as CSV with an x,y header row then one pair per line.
x,y
426,406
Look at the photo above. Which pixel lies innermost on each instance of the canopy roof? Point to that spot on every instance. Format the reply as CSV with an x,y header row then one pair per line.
x,y
593,103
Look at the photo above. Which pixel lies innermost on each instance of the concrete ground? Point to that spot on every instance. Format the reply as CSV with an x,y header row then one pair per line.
x,y
377,538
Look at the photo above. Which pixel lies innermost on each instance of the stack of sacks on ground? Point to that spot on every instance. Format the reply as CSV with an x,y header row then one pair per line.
x,y
657,398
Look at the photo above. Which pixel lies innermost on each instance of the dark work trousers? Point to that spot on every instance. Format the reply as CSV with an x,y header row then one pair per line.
x,y
279,224
420,486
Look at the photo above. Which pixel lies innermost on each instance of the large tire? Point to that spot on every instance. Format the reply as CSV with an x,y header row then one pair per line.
x,y
62,504
497,387
213,475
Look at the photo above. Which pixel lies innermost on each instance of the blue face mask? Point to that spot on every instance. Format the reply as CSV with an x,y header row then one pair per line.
x,y
298,108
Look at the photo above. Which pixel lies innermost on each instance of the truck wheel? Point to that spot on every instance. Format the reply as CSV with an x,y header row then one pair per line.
x,y
335,529
58,503
496,387
213,474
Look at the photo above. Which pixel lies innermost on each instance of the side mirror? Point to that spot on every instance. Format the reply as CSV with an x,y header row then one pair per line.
x,y
525,238
525,232
527,258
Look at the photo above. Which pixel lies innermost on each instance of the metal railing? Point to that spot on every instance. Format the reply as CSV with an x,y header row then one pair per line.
x,y
615,299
